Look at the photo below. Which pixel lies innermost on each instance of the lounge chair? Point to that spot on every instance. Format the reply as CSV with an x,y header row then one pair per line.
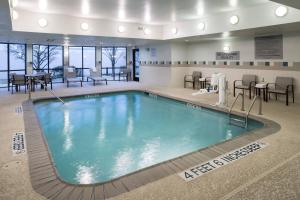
x,y
71,77
125,73
282,86
17,81
194,79
95,76
247,83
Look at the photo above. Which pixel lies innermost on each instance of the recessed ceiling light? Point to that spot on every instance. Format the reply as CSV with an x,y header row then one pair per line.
x,y
15,15
43,22
226,48
201,26
186,40
14,3
43,4
234,19
281,11
174,31
121,29
147,31
84,26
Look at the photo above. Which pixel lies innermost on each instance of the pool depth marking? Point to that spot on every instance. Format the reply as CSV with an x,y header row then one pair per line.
x,y
18,144
203,168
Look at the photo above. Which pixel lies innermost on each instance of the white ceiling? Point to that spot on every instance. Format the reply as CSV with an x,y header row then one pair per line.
x,y
140,11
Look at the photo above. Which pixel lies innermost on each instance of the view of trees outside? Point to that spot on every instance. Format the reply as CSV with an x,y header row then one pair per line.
x,y
113,59
48,59
83,58
16,55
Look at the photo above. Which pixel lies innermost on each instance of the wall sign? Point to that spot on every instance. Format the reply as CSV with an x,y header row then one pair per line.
x,y
203,168
234,55
269,47
153,52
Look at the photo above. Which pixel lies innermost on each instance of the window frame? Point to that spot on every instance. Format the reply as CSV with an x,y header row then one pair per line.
x,y
8,61
126,52
82,58
48,64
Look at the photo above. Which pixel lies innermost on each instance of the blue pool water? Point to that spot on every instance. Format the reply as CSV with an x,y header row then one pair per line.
x,y
98,138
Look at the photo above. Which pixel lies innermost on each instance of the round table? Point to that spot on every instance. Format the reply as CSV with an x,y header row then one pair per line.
x,y
262,88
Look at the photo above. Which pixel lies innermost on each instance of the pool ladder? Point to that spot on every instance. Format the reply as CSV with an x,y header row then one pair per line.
x,y
244,121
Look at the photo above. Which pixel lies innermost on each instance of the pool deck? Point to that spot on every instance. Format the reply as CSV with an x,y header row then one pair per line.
x,y
271,173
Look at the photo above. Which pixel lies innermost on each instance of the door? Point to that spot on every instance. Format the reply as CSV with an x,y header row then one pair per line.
x,y
136,64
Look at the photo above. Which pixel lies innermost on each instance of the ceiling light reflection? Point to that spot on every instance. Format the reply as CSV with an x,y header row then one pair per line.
x,y
124,162
84,174
85,9
149,153
43,4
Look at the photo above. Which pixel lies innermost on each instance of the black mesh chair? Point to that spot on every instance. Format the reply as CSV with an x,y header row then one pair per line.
x,y
282,86
247,83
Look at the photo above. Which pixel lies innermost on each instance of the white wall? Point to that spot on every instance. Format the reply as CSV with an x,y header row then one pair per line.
x,y
172,76
207,50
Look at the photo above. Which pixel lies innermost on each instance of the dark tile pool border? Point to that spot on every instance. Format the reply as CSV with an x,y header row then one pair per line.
x,y
45,179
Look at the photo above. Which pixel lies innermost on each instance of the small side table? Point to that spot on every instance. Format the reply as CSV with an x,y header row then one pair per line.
x,y
262,88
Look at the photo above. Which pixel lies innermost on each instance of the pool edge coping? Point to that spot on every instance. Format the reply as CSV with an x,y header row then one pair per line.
x,y
52,186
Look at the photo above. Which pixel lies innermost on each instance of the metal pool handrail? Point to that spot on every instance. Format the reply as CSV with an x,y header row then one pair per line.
x,y
50,91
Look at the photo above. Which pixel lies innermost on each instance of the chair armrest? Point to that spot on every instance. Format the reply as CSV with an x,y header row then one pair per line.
x,y
234,82
268,84
185,76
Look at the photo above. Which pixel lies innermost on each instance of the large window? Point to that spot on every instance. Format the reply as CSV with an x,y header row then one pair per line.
x,y
83,59
48,59
12,60
113,59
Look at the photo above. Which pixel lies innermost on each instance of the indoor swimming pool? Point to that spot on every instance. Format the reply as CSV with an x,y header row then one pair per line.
x,y
97,138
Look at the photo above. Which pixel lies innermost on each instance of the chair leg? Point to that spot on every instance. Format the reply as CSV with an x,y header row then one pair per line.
x,y
81,83
234,91
287,98
293,96
67,84
249,93
276,96
51,85
12,89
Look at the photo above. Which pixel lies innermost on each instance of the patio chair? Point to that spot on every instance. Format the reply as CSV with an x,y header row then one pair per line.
x,y
95,76
46,79
247,83
194,79
10,80
18,80
71,77
282,86
125,73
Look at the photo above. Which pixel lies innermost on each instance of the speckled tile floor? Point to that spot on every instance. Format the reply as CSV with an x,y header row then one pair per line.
x,y
272,173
